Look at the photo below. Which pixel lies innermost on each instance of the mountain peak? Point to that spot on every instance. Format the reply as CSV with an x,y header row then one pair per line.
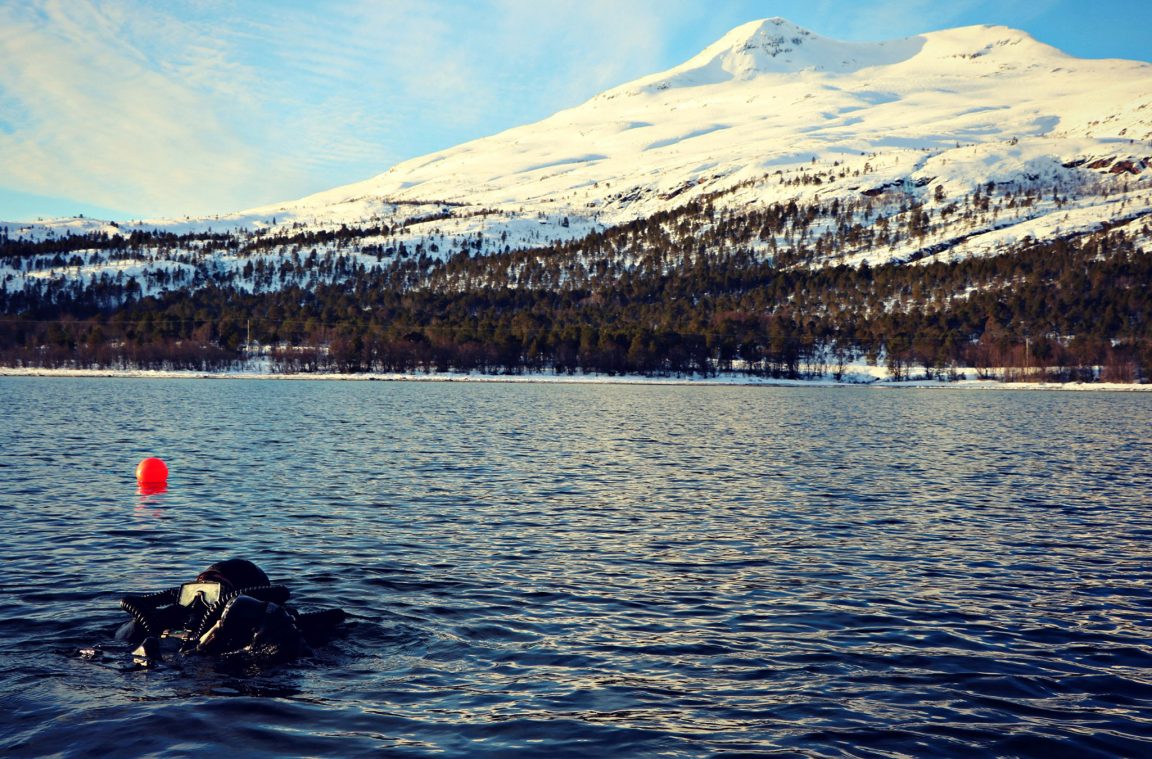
x,y
772,35
778,46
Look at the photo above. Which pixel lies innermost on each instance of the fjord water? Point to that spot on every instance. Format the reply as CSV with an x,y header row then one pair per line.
x,y
599,570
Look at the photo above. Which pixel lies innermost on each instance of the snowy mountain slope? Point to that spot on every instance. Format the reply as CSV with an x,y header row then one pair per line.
x,y
772,113
769,96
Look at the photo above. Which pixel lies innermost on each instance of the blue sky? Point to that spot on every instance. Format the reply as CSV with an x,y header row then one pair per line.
x,y
129,108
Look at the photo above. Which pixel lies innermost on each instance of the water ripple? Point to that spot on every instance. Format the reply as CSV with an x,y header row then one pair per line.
x,y
590,570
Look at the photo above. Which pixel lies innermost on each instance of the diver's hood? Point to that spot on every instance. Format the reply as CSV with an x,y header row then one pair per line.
x,y
239,573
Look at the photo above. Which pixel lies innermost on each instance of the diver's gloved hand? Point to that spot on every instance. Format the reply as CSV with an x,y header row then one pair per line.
x,y
318,626
147,654
254,628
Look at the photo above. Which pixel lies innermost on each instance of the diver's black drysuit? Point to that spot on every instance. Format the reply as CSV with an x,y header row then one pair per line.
x,y
232,611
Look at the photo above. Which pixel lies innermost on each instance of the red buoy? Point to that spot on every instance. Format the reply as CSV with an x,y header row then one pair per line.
x,y
151,471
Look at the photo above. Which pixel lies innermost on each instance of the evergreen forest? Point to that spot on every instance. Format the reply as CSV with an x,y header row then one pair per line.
x,y
687,292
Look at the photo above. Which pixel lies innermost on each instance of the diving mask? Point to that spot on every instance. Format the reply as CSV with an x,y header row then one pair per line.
x,y
208,593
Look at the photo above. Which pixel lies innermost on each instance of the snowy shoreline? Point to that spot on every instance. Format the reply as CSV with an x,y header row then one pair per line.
x,y
734,380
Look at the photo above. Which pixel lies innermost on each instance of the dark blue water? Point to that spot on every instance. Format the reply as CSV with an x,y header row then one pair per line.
x,y
589,570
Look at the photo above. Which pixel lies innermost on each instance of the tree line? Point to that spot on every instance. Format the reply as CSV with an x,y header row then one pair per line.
x,y
691,291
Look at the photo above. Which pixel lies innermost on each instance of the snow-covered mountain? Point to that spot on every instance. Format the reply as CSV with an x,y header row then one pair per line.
x,y
771,114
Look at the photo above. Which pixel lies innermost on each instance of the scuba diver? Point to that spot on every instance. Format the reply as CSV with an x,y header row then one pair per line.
x,y
231,611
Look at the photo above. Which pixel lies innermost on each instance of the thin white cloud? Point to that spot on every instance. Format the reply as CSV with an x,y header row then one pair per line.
x,y
197,106
374,83
107,119
592,45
